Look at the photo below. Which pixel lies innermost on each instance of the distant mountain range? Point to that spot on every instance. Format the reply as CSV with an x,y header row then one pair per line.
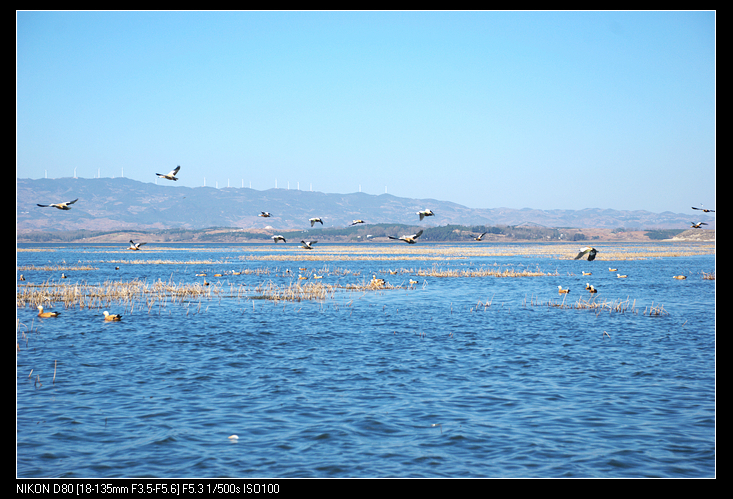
x,y
125,204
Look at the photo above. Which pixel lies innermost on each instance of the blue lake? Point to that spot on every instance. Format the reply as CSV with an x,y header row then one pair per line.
x,y
452,377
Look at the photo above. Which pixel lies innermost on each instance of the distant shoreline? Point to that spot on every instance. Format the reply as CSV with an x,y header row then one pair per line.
x,y
457,234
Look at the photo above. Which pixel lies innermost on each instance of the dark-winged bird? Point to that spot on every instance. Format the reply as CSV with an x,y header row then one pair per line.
x,y
591,252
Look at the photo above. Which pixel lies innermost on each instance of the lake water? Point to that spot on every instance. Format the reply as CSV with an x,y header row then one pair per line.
x,y
452,377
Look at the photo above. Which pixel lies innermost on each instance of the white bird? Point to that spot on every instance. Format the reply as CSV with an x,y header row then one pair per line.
x,y
697,225
265,214
308,244
425,213
357,222
279,238
479,238
703,209
591,252
171,175
135,246
408,239
60,206
315,220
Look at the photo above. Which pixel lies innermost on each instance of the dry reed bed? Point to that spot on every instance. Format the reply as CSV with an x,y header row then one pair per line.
x,y
481,272
53,268
101,295
618,306
159,292
452,251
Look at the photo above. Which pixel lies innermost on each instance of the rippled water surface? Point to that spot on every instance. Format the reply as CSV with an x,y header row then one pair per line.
x,y
452,377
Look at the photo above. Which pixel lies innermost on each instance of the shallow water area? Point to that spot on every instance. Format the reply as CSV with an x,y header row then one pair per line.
x,y
454,375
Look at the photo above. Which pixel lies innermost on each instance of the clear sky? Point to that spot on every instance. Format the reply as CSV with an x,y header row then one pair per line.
x,y
547,110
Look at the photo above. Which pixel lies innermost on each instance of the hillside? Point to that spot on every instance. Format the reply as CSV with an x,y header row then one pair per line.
x,y
107,204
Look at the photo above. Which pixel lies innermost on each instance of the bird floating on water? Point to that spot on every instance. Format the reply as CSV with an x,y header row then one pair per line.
x,y
704,209
591,252
265,214
135,246
621,276
171,175
408,239
22,278
308,244
46,315
586,273
112,317
425,213
279,238
612,270
356,222
561,291
697,225
590,288
60,206
377,282
680,277
315,220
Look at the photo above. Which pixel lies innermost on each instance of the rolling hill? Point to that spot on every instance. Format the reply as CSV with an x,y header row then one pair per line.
x,y
125,204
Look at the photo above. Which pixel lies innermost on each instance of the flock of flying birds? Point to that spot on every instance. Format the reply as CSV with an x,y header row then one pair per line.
x,y
591,252
409,239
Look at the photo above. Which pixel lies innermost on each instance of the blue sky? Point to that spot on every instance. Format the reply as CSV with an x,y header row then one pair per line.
x,y
547,110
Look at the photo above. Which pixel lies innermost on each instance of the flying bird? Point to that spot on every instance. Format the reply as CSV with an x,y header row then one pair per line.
x,y
308,244
265,214
112,317
697,225
408,239
591,252
315,220
60,206
425,213
481,237
356,222
46,315
703,209
135,246
279,238
171,175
